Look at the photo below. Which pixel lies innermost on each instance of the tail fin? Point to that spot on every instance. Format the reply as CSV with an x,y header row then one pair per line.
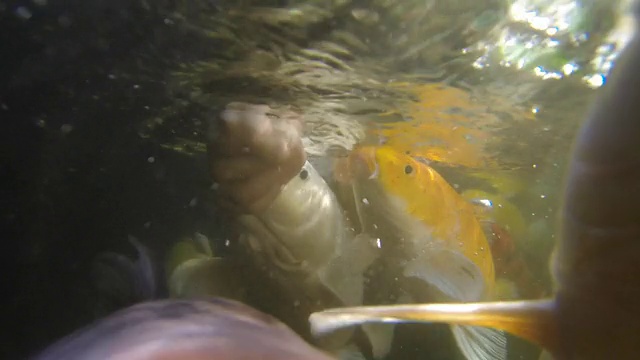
x,y
120,281
478,343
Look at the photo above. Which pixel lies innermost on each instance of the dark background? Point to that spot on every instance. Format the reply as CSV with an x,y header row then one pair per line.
x,y
77,78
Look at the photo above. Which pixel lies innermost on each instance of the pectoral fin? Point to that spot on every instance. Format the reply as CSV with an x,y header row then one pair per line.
x,y
478,343
450,272
343,275
380,337
459,278
350,352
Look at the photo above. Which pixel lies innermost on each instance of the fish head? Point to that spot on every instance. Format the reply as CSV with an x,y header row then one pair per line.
x,y
385,185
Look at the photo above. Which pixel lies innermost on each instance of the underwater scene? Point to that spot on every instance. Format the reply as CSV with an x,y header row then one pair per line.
x,y
320,179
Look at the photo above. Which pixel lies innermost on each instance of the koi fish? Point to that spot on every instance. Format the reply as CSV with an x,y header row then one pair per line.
x,y
184,329
306,243
431,231
594,313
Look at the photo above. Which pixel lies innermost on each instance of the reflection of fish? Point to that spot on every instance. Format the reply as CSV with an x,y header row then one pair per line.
x,y
419,217
594,313
182,329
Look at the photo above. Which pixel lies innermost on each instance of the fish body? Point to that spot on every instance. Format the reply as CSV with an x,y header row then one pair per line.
x,y
431,231
305,242
421,211
184,329
594,313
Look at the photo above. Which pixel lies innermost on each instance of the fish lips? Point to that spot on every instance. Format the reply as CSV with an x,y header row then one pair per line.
x,y
362,164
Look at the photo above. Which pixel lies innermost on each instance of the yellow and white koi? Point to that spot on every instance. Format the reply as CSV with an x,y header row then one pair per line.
x,y
423,223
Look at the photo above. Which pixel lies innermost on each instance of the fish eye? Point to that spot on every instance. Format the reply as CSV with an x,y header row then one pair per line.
x,y
304,174
408,169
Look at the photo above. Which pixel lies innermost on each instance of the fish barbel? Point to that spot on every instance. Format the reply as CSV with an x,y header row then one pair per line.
x,y
594,313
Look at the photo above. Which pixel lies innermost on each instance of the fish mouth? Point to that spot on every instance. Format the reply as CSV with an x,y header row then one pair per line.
x,y
363,164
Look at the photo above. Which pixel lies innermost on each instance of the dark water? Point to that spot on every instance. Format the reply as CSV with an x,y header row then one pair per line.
x,y
100,136
76,174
